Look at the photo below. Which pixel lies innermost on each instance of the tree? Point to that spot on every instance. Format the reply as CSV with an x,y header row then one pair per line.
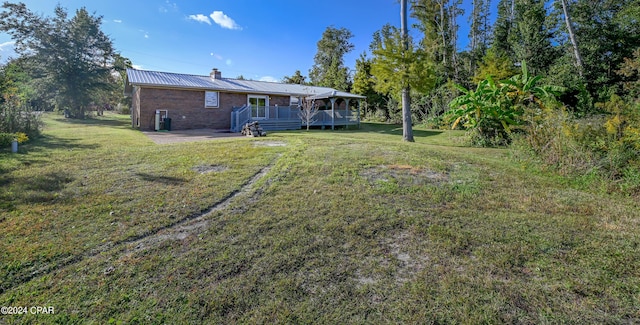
x,y
437,22
73,57
399,65
407,130
479,32
503,28
364,84
610,32
328,69
495,65
572,36
308,111
297,79
531,39
16,115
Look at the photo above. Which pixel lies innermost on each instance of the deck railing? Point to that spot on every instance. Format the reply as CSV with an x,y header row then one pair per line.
x,y
242,115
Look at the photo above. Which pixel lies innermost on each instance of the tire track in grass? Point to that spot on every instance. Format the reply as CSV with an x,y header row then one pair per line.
x,y
177,230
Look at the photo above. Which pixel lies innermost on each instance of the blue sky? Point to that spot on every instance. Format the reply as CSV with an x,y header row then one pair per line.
x,y
259,39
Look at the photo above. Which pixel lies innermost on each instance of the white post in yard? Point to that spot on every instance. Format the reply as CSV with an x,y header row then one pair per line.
x,y
14,146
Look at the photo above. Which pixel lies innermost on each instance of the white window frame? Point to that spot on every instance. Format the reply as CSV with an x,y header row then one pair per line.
x,y
266,106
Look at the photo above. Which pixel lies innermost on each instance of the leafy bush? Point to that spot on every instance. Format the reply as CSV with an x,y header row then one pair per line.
x,y
553,137
6,139
608,145
19,117
494,110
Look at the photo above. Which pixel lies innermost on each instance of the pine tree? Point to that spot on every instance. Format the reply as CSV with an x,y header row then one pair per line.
x,y
73,57
328,69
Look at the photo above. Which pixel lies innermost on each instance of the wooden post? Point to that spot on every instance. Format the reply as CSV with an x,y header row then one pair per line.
x,y
333,113
359,101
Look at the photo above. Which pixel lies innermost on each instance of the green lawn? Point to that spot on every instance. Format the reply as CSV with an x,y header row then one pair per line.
x,y
346,226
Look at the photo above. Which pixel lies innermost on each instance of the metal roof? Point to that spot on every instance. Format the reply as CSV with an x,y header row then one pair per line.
x,y
176,80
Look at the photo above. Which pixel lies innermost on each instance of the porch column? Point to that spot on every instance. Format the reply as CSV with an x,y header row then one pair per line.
x,y
359,101
333,112
346,113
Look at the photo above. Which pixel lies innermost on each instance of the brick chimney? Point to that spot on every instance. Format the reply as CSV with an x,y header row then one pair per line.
x,y
215,74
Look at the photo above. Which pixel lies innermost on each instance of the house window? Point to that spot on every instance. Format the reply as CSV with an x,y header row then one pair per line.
x,y
211,99
294,101
259,106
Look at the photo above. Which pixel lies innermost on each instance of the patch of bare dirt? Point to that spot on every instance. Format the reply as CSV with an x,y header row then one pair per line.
x,y
205,169
398,256
269,144
403,174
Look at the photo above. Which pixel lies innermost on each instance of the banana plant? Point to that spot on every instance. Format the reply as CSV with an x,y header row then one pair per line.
x,y
487,105
524,89
500,105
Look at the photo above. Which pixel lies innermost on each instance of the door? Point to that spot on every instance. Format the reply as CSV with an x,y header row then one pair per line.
x,y
259,106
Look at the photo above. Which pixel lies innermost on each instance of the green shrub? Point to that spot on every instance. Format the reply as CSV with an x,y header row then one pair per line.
x,y
608,145
19,117
6,139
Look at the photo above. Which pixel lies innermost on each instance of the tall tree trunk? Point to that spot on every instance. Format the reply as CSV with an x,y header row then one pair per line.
x,y
444,38
407,130
453,32
572,37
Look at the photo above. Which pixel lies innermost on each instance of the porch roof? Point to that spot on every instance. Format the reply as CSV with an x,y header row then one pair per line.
x,y
336,94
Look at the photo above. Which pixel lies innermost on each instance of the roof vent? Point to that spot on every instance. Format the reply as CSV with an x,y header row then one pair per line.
x,y
215,74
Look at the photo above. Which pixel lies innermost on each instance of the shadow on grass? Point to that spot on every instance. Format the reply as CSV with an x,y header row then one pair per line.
x,y
98,120
52,142
31,188
390,129
167,180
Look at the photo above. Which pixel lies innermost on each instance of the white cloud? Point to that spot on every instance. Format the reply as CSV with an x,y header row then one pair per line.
x,y
168,6
117,21
7,46
268,78
200,18
224,21
136,66
217,56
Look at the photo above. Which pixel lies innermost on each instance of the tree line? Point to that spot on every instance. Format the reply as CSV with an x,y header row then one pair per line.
x,y
581,45
558,79
65,63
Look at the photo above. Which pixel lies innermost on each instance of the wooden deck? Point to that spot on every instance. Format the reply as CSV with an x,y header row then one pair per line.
x,y
287,118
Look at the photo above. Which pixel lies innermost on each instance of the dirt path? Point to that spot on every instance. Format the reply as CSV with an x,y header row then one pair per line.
x,y
198,223
177,230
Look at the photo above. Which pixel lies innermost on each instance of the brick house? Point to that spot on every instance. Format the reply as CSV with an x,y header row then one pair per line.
x,y
213,102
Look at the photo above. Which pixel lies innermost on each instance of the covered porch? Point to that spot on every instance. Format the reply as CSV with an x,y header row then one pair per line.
x,y
335,109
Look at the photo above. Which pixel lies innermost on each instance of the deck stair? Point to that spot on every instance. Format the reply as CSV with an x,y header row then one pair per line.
x,y
281,124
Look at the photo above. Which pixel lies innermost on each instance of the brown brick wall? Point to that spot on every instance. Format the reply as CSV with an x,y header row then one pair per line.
x,y
186,108
279,100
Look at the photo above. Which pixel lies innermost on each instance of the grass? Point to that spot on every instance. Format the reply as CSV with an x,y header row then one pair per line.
x,y
348,226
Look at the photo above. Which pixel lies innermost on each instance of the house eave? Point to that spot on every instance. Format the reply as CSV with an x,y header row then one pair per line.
x,y
174,87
